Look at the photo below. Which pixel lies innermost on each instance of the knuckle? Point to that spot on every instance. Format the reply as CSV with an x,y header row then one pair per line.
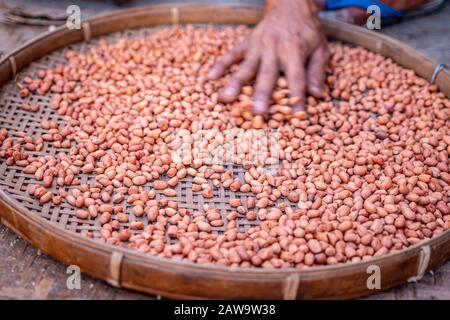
x,y
326,54
219,64
325,51
267,70
295,75
245,74
294,80
266,78
238,79
313,79
235,52
252,58
241,46
235,82
227,59
261,94
303,51
297,41
269,39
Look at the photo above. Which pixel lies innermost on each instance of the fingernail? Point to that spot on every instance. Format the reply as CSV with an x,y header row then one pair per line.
x,y
318,90
229,91
299,112
258,122
259,107
228,94
213,74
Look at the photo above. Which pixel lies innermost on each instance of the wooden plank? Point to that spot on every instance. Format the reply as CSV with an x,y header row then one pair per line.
x,y
25,273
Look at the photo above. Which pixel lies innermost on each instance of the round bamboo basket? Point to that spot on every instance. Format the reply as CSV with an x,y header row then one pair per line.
x,y
58,234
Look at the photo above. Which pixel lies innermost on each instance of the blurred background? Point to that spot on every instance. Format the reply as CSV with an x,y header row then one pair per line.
x,y
429,33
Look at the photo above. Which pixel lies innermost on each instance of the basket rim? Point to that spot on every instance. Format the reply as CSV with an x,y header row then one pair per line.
x,y
161,6
155,259
380,43
411,250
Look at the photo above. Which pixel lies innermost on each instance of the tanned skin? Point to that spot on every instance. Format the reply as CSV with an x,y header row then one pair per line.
x,y
288,39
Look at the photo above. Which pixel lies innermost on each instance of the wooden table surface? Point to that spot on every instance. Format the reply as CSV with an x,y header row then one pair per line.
x,y
26,273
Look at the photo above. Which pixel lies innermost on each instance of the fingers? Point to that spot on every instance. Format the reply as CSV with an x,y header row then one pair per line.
x,y
231,57
266,79
295,74
246,72
316,71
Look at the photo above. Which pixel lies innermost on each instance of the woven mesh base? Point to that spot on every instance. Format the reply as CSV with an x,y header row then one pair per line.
x,y
14,182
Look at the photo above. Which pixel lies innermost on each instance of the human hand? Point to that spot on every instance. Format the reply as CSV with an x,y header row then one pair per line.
x,y
290,39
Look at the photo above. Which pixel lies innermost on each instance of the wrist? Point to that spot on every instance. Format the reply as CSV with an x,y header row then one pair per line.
x,y
291,5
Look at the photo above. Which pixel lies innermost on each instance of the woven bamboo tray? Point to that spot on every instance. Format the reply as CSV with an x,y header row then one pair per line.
x,y
56,230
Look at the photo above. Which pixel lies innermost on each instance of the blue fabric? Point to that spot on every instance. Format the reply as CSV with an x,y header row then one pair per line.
x,y
386,11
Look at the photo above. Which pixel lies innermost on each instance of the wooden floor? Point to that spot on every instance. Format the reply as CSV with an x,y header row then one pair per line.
x,y
25,273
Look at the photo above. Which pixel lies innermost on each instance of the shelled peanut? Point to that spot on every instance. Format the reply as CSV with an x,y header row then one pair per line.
x,y
366,168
